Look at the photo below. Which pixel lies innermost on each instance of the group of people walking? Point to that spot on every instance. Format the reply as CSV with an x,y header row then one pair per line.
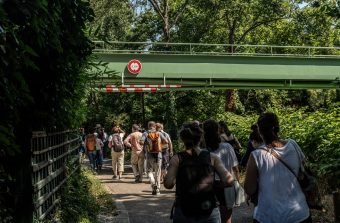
x,y
151,151
209,165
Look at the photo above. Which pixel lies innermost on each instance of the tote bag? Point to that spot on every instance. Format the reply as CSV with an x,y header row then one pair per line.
x,y
234,195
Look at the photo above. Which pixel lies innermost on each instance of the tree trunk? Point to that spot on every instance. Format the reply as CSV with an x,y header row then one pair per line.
x,y
230,97
170,115
166,28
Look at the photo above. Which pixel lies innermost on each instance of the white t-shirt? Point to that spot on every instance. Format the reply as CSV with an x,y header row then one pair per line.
x,y
280,198
99,144
227,154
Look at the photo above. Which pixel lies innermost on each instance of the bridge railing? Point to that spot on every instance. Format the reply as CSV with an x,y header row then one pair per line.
x,y
214,49
54,159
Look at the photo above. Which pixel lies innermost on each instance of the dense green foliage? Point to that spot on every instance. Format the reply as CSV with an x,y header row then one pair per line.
x,y
77,202
83,197
43,51
112,20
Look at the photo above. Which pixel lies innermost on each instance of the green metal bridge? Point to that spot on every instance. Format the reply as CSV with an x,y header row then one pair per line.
x,y
190,66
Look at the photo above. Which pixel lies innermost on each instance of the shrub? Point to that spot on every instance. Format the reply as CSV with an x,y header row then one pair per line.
x,y
77,201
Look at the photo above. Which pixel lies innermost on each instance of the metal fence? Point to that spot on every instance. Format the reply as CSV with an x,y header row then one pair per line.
x,y
214,49
54,159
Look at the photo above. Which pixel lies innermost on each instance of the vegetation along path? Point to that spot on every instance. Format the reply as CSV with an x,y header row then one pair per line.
x,y
135,203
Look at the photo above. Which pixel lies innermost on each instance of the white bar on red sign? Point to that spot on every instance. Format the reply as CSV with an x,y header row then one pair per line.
x,y
146,86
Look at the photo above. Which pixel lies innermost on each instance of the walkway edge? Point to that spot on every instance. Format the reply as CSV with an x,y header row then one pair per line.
x,y
123,214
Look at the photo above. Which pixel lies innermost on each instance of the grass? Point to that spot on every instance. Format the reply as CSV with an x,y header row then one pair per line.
x,y
83,199
103,199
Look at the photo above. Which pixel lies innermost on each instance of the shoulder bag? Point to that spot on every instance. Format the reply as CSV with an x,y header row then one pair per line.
x,y
307,181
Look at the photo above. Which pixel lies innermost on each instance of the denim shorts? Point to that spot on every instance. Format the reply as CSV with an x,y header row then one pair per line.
x,y
180,218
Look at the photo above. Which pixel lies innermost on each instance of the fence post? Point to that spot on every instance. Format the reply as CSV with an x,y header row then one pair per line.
x,y
271,50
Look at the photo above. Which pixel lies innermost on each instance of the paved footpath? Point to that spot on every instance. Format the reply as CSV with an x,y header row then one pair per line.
x,y
135,203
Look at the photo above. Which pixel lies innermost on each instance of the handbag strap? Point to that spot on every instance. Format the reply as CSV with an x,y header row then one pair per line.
x,y
273,153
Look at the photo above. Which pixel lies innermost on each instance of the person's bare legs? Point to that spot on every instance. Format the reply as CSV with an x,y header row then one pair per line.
x,y
225,214
229,213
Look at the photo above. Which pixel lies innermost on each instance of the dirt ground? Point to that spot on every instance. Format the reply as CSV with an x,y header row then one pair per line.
x,y
135,203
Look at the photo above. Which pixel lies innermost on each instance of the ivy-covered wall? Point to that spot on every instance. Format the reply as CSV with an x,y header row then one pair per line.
x,y
43,53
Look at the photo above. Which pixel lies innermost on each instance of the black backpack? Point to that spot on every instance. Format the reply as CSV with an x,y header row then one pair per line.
x,y
194,184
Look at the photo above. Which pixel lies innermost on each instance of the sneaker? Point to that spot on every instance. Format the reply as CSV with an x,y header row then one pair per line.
x,y
136,179
158,192
115,177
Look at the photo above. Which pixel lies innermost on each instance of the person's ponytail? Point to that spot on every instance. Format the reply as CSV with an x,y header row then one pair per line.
x,y
269,127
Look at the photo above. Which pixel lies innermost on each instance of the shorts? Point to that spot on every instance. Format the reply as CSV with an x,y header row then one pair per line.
x,y
165,158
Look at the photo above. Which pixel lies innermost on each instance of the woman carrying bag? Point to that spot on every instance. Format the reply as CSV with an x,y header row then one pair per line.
x,y
226,153
192,171
280,198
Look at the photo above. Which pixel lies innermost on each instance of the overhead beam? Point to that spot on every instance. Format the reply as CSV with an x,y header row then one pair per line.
x,y
205,71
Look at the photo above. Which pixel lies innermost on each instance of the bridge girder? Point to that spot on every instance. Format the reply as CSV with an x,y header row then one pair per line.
x,y
225,71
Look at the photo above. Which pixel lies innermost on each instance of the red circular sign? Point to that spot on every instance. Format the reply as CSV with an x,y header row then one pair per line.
x,y
134,66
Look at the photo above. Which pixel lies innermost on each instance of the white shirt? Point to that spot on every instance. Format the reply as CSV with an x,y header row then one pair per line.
x,y
280,198
227,154
99,144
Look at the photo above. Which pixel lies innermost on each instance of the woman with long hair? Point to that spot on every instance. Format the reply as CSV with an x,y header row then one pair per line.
x,y
192,171
255,141
227,136
280,198
226,153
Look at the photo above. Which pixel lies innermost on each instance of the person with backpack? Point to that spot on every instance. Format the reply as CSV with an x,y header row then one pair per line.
x,y
152,144
226,153
137,153
90,145
167,151
227,136
192,171
117,152
280,198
